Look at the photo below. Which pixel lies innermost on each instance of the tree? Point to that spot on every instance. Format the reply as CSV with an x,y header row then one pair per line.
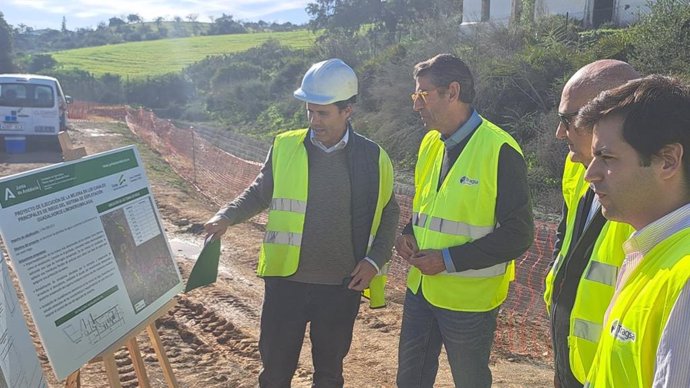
x,y
41,62
63,26
345,15
192,17
226,25
667,26
115,22
349,15
134,18
6,57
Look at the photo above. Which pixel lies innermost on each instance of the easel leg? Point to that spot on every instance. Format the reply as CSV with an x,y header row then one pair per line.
x,y
138,363
73,380
111,370
162,357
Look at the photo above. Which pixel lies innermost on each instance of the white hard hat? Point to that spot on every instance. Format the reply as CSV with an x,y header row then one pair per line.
x,y
327,82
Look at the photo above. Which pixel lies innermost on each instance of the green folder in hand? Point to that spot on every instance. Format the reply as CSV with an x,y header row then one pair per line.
x,y
205,270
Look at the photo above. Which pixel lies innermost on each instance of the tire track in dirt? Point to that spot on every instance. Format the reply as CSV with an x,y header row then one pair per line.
x,y
373,322
214,340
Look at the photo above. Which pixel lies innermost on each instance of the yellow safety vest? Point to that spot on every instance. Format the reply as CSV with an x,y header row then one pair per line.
x,y
574,187
460,211
626,356
598,281
280,250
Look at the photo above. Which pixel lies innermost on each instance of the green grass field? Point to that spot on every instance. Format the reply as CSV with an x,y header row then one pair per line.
x,y
141,59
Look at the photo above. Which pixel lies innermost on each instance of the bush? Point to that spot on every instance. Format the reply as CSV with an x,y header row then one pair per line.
x,y
661,41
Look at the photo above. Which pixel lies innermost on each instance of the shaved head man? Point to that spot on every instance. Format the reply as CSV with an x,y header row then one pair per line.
x,y
588,251
581,88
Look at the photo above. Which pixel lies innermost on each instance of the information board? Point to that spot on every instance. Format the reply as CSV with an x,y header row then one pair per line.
x,y
19,366
89,250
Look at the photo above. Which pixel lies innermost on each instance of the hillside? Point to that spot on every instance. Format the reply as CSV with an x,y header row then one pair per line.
x,y
149,58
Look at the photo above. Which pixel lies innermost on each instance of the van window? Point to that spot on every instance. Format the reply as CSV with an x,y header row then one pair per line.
x,y
27,95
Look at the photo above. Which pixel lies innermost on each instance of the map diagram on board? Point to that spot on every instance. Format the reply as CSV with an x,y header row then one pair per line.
x,y
141,253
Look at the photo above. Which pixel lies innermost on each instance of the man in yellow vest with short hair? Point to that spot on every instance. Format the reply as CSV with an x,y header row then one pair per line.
x,y
641,173
472,217
588,249
331,226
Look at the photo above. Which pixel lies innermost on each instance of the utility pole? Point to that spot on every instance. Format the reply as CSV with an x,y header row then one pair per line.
x,y
461,5
515,12
486,10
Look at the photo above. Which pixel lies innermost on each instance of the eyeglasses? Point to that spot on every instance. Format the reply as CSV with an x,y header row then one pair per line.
x,y
567,118
423,94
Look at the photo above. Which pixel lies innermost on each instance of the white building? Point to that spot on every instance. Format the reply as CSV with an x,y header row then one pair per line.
x,y
592,12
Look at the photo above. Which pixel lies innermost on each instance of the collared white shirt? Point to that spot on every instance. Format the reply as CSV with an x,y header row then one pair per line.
x,y
338,146
593,209
673,352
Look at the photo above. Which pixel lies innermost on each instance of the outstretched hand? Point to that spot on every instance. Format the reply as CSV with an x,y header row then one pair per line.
x,y
216,227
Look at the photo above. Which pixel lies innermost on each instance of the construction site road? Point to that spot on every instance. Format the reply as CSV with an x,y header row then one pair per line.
x,y
211,335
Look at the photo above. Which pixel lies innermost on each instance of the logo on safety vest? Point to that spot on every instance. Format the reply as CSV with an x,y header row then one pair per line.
x,y
622,333
465,180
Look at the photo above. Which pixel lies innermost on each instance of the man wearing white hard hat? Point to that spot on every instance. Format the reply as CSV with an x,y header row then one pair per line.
x,y
331,225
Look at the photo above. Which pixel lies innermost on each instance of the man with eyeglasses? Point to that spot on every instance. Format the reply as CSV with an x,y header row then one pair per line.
x,y
472,217
331,224
589,249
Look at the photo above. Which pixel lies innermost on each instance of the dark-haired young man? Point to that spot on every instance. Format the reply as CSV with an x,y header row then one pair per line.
x,y
641,173
331,224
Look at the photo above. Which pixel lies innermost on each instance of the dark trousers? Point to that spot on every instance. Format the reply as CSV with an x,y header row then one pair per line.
x,y
288,306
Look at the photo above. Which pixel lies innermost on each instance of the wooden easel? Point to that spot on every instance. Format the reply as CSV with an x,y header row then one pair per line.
x,y
130,339
68,150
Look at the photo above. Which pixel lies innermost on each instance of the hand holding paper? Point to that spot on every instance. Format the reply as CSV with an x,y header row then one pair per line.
x,y
205,269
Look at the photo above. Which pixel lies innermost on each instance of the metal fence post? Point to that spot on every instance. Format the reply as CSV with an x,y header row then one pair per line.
x,y
191,128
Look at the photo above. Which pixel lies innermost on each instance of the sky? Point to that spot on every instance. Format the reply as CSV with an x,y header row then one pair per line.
x,y
40,14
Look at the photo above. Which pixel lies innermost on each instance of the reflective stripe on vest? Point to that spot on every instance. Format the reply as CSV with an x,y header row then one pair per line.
x,y
587,330
627,351
371,241
285,238
288,205
602,273
443,217
441,225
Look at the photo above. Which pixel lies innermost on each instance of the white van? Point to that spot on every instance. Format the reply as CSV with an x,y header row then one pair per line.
x,y
31,105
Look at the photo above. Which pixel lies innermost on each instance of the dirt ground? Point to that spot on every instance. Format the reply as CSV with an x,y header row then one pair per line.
x,y
211,336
